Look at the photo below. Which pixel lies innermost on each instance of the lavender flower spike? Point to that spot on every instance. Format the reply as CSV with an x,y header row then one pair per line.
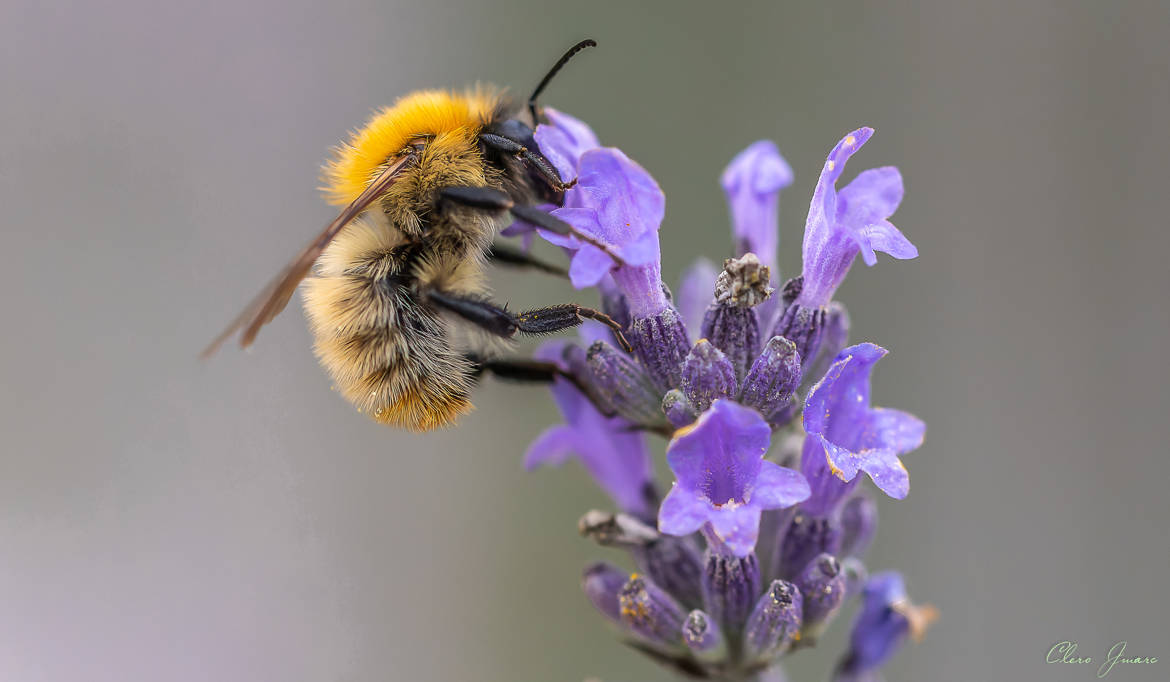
x,y
846,435
617,458
855,220
752,183
621,206
723,478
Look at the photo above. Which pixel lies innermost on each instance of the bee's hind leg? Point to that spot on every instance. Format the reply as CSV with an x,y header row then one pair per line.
x,y
537,372
505,323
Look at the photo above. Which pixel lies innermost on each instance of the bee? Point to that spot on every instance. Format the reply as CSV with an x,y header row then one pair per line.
x,y
395,289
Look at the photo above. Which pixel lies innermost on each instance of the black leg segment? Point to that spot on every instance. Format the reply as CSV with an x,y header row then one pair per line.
x,y
535,159
501,322
507,255
489,199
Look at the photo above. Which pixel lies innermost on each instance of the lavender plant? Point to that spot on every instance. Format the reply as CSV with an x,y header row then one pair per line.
x,y
746,559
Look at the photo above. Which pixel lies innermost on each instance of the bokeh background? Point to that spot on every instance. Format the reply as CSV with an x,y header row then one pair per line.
x,y
163,519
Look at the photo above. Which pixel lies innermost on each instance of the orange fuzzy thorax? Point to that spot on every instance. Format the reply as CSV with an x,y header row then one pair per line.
x,y
429,112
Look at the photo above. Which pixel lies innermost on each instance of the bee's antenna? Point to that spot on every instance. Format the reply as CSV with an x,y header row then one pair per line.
x,y
588,42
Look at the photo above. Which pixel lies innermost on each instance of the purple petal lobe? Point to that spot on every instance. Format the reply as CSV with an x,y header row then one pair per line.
x,y
588,266
720,455
552,447
873,196
777,487
681,513
738,527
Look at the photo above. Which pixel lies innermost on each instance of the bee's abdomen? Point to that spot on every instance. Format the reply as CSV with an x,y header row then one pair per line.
x,y
386,354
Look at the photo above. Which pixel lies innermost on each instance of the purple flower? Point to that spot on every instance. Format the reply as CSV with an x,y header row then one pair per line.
x,y
846,435
885,620
617,203
616,457
752,183
723,478
840,225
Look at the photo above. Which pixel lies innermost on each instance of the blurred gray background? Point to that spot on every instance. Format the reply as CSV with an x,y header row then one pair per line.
x,y
163,519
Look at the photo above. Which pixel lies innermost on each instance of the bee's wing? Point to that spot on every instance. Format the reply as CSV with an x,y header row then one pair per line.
x,y
274,297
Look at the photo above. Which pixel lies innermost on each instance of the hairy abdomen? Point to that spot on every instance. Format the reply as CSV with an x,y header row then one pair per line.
x,y
386,354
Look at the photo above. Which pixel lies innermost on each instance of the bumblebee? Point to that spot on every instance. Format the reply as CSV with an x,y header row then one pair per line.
x,y
395,289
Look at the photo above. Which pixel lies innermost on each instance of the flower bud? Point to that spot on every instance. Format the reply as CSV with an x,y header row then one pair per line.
x,y
730,585
773,379
731,322
679,411
650,612
806,537
601,583
833,340
774,622
802,325
859,518
855,576
660,342
703,637
822,584
674,564
707,375
625,384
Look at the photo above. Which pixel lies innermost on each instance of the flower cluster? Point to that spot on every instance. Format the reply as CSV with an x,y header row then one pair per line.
x,y
744,559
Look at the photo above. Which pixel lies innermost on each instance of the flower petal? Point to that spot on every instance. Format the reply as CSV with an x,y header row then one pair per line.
x,y
563,140
738,527
897,430
681,513
628,201
642,251
873,196
553,447
588,266
778,487
887,472
582,219
883,236
720,454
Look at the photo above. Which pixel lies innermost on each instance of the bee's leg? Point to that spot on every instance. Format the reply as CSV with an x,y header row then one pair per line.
x,y
536,371
507,255
490,199
535,159
501,322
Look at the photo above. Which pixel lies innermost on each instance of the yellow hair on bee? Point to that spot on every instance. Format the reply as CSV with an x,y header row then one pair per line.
x,y
430,112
